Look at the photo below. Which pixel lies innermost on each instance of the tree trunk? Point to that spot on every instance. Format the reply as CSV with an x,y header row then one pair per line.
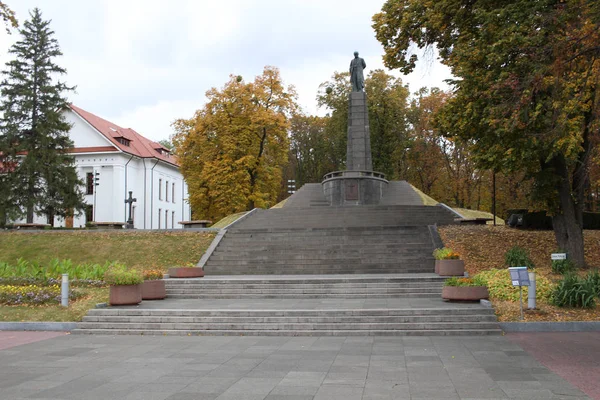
x,y
567,224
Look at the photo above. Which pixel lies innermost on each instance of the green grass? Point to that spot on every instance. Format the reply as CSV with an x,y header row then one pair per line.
x,y
135,249
427,201
228,220
478,214
280,204
56,313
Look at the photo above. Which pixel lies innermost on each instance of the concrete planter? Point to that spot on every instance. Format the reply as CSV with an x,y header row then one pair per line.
x,y
186,272
125,295
450,267
465,293
154,290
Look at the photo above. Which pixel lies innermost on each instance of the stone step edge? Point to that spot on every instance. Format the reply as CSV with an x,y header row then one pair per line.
x,y
141,332
304,312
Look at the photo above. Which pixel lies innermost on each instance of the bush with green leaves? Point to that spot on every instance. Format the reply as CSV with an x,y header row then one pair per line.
x,y
593,278
53,270
445,254
562,266
518,257
119,275
462,282
500,285
574,291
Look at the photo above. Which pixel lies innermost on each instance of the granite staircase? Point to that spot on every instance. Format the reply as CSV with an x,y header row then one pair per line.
x,y
307,287
330,322
330,240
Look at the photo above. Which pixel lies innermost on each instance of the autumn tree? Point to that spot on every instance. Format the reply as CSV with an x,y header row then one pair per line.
x,y
233,150
312,150
8,16
526,88
34,141
387,104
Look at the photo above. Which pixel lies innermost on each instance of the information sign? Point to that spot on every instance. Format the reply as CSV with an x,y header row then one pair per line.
x,y
519,276
559,256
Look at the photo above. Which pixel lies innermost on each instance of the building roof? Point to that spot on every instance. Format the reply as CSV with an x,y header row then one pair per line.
x,y
126,139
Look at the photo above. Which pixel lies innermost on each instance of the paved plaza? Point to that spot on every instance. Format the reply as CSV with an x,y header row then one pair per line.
x,y
282,368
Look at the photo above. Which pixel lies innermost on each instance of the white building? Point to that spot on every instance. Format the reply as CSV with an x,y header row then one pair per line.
x,y
122,160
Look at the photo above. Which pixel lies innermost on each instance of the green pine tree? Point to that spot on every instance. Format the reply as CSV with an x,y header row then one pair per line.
x,y
33,131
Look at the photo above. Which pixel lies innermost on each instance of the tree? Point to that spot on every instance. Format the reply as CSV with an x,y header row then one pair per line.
x,y
312,150
526,93
8,16
387,102
33,131
233,150
166,143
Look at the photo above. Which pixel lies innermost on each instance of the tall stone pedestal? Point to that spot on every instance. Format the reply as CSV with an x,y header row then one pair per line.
x,y
359,184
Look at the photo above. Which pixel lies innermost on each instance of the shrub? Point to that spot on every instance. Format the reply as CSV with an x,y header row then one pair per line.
x,y
457,281
445,254
500,285
152,274
518,257
32,295
54,270
574,291
593,278
562,266
118,275
19,281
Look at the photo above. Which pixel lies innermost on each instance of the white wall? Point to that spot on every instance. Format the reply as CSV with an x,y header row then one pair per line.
x,y
119,174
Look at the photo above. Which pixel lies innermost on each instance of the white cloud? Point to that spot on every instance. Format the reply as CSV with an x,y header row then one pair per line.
x,y
145,63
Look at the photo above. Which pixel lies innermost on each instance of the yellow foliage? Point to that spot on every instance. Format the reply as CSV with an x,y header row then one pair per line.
x,y
233,150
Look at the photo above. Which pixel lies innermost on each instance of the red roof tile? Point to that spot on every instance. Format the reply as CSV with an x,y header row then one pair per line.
x,y
138,145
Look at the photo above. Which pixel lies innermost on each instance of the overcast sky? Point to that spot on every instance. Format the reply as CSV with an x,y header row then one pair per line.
x,y
144,63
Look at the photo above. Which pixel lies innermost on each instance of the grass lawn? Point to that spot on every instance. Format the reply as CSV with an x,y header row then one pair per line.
x,y
483,247
56,313
135,249
228,220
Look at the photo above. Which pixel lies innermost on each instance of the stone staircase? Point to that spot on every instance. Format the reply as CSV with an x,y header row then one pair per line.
x,y
330,240
308,269
330,322
313,287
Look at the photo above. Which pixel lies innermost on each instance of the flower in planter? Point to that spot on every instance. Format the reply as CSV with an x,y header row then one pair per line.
x,y
119,275
152,274
445,254
465,282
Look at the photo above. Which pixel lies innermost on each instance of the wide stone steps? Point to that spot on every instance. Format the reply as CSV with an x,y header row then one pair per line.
x,y
301,288
389,322
324,269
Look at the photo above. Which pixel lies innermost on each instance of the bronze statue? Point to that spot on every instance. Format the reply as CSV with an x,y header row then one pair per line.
x,y
357,65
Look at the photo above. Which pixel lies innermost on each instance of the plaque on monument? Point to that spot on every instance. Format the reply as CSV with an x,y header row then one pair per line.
x,y
351,190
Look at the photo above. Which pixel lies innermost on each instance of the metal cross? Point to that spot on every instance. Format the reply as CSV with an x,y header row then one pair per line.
x,y
130,201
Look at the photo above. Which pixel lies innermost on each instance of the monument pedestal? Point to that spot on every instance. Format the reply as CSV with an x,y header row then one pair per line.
x,y
354,188
359,184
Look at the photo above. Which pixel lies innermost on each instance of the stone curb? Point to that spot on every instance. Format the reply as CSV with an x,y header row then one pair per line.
x,y
218,238
38,326
452,210
575,326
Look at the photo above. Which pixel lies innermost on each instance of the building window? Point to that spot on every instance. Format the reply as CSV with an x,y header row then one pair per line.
x,y
173,193
167,191
89,180
159,215
123,141
89,213
166,219
173,220
160,189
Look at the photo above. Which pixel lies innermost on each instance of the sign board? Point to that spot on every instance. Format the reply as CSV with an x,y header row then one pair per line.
x,y
559,256
519,276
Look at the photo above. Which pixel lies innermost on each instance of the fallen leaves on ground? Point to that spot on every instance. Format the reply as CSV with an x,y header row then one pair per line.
x,y
483,247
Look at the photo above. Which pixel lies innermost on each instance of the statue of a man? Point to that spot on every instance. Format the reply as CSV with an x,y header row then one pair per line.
x,y
357,65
